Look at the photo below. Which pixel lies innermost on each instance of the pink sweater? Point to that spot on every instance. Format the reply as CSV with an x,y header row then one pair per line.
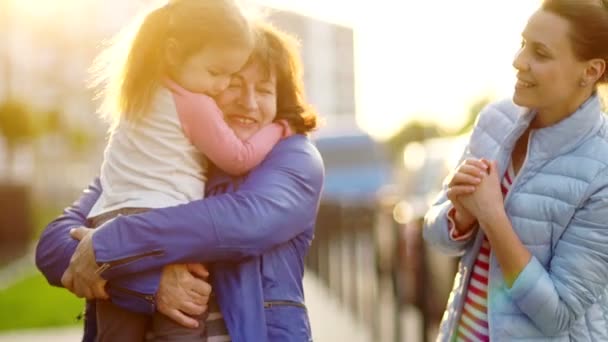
x,y
203,123
161,160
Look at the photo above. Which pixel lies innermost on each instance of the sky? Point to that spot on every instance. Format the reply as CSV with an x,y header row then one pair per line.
x,y
425,60
414,60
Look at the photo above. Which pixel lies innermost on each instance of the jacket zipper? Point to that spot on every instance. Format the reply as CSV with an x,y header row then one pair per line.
x,y
272,303
523,165
107,265
149,298
492,256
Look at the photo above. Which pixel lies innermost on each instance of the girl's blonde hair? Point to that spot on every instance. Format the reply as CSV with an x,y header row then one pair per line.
x,y
129,72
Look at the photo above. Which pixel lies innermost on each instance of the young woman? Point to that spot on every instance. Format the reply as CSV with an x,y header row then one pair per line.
x,y
527,207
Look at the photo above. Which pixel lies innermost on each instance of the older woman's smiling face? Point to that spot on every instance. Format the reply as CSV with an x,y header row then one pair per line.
x,y
250,101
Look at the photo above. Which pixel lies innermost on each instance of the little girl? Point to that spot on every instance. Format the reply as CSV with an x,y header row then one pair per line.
x,y
165,127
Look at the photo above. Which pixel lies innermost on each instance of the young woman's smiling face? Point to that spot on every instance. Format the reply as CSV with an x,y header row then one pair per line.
x,y
548,72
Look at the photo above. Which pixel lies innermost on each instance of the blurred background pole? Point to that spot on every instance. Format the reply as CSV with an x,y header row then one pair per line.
x,y
5,25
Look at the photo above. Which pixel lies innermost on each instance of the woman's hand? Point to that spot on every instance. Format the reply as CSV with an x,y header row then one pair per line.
x,y
463,182
183,292
487,201
81,276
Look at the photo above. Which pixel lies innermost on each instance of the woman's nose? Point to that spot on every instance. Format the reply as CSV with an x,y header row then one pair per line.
x,y
520,62
248,99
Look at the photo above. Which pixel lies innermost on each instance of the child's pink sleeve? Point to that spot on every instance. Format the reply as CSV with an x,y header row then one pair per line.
x,y
203,123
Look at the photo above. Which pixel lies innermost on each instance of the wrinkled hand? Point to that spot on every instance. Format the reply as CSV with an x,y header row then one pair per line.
x,y
183,292
462,182
81,277
487,200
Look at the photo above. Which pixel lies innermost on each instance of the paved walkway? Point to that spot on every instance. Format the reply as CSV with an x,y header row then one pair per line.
x,y
328,320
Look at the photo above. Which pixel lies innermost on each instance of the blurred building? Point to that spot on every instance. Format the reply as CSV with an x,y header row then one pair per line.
x,y
48,51
328,57
48,48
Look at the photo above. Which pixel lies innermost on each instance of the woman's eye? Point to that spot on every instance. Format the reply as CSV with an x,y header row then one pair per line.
x,y
541,54
213,73
265,91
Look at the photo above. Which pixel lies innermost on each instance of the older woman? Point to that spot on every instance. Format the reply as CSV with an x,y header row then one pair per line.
x,y
253,231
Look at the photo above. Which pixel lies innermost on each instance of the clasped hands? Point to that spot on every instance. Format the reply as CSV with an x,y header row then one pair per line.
x,y
183,291
474,190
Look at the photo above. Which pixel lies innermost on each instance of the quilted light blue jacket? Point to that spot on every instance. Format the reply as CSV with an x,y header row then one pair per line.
x,y
558,206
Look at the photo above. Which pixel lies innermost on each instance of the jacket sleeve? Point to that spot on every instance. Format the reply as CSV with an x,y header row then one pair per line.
x,y
436,228
55,246
276,202
203,123
556,298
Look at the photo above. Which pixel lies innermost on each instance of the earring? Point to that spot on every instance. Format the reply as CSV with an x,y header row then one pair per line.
x,y
582,83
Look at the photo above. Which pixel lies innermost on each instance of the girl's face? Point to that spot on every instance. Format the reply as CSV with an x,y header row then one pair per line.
x,y
250,101
209,70
548,73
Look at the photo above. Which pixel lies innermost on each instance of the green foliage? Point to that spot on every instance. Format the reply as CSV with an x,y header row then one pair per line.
x,y
43,214
414,131
16,122
474,110
33,303
418,131
79,140
21,124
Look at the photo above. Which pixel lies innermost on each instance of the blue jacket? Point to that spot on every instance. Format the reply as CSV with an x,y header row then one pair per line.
x,y
558,206
254,232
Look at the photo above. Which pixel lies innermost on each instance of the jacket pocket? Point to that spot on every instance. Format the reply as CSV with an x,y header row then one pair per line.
x,y
132,300
106,266
287,321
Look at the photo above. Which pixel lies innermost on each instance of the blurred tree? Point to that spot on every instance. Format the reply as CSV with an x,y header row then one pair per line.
x,y
419,131
79,140
16,127
474,110
413,131
21,125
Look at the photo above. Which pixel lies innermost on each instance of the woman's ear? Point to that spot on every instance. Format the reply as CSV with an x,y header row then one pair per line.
x,y
595,70
172,53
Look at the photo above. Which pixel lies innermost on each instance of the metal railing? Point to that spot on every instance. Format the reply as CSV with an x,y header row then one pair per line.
x,y
378,268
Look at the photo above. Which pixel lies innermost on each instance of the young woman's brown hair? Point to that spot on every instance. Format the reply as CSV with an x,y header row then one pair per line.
x,y
588,27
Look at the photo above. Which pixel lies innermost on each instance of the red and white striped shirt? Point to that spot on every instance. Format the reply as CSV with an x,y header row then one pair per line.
x,y
473,325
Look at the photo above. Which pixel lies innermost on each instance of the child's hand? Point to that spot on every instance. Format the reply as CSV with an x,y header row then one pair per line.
x,y
287,130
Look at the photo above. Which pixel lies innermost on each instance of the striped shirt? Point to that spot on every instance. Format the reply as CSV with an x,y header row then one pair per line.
x,y
473,324
215,324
